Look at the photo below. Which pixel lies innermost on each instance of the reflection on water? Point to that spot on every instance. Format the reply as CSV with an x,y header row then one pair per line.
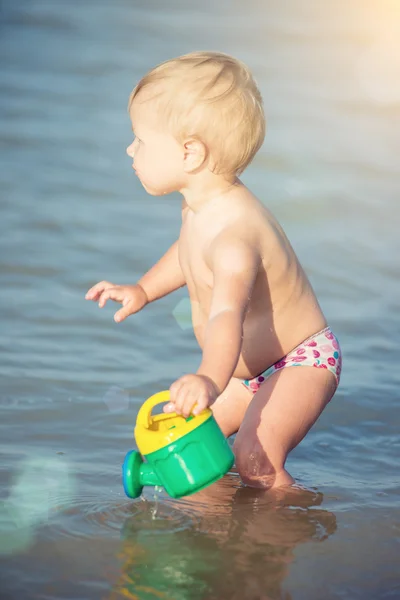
x,y
243,544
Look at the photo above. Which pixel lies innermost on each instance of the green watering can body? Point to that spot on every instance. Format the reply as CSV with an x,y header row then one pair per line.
x,y
182,455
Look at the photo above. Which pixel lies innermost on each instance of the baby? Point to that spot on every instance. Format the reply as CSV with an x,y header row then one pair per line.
x,y
198,121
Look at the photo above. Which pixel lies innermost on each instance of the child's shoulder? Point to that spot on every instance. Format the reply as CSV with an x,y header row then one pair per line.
x,y
238,237
244,215
245,227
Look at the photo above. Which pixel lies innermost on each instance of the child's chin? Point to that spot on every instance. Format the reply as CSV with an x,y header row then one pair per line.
x,y
154,191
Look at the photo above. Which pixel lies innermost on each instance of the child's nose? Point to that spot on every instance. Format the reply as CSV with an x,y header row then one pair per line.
x,y
130,150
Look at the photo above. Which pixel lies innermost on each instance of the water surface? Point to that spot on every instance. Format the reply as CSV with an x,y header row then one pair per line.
x,y
72,380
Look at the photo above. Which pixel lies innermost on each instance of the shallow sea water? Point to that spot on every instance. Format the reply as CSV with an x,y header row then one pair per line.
x,y
71,380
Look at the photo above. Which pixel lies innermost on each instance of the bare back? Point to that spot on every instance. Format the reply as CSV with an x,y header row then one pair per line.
x,y
283,310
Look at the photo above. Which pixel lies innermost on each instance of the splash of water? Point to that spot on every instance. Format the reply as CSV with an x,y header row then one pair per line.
x,y
157,495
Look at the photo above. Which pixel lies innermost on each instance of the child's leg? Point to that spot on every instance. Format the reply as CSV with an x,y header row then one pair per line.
x,y
279,415
230,407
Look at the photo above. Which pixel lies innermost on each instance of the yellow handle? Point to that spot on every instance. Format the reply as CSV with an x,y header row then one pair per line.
x,y
144,415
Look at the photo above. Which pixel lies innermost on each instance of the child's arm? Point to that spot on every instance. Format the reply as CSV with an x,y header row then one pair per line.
x,y
162,279
166,275
235,265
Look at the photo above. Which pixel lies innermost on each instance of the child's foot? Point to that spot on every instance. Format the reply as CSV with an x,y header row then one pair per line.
x,y
283,478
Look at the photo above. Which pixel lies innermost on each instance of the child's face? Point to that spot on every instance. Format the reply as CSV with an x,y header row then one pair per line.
x,y
157,156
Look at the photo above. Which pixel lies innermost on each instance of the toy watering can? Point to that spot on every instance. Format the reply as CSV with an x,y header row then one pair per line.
x,y
182,455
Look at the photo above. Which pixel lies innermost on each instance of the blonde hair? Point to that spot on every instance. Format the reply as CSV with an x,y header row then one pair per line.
x,y
212,97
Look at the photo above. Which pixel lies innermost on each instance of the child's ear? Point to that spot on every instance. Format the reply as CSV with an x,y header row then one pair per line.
x,y
194,155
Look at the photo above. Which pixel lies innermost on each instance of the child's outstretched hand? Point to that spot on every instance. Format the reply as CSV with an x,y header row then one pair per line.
x,y
132,297
191,394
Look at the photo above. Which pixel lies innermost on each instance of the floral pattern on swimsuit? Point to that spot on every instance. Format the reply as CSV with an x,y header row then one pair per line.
x,y
321,350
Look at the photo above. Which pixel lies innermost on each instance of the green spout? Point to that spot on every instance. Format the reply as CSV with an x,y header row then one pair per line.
x,y
136,474
147,475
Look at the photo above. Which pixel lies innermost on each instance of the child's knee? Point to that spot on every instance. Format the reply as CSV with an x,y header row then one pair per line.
x,y
253,464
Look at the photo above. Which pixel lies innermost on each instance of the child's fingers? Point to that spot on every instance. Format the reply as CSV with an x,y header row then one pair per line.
x,y
174,391
201,404
96,290
187,405
113,293
124,312
178,395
